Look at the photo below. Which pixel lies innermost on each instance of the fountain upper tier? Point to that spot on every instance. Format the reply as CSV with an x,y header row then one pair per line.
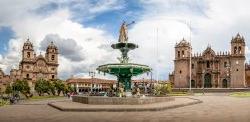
x,y
128,69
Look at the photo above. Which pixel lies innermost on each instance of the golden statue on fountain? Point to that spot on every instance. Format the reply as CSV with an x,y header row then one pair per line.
x,y
123,37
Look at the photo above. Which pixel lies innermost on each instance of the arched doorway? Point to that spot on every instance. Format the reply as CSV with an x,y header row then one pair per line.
x,y
224,83
192,83
207,80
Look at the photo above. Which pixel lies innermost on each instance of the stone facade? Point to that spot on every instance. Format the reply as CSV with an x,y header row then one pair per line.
x,y
210,69
33,67
247,75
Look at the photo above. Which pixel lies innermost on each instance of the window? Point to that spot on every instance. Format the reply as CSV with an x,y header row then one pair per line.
x,y
52,69
53,76
239,50
192,66
27,76
235,49
208,64
27,67
180,71
53,57
182,52
225,64
179,54
237,69
28,54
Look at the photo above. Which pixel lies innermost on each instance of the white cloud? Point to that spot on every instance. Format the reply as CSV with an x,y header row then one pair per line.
x,y
90,41
212,21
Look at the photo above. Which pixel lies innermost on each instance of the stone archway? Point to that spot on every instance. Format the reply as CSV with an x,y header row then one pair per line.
x,y
224,83
207,80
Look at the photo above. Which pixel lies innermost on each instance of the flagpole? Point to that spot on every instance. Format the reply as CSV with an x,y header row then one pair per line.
x,y
190,62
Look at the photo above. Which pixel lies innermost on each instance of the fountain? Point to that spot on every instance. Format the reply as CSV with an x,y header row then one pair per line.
x,y
124,70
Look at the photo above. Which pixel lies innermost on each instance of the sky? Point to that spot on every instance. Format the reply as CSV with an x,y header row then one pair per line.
x,y
83,30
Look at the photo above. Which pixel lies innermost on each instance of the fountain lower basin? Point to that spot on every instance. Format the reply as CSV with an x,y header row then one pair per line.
x,y
101,100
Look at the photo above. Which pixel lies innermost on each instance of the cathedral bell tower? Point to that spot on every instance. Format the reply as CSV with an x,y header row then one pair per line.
x,y
181,66
52,59
237,66
52,53
28,51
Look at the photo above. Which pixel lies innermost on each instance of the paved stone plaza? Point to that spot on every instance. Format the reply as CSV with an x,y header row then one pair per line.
x,y
215,107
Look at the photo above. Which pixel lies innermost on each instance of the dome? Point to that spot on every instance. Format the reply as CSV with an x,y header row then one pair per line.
x,y
40,56
52,46
209,50
27,43
183,43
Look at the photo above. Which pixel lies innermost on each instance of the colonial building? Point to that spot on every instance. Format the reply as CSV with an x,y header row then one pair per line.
x,y
210,69
84,85
33,67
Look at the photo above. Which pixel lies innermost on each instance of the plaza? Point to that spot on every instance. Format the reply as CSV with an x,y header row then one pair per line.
x,y
215,107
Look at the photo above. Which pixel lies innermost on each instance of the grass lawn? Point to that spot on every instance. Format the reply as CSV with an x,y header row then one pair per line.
x,y
44,97
240,94
2,103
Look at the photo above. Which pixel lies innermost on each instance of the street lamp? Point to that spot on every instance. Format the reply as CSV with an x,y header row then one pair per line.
x,y
92,74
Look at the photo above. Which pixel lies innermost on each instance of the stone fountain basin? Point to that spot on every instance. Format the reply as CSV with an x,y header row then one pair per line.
x,y
102,100
124,45
128,68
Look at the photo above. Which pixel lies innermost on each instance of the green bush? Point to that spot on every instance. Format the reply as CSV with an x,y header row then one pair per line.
x,y
163,89
8,89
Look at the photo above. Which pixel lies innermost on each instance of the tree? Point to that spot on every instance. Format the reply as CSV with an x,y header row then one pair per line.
x,y
8,89
43,86
68,88
59,86
52,87
39,86
22,86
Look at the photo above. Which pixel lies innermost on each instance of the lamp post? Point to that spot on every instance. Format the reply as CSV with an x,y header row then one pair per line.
x,y
92,74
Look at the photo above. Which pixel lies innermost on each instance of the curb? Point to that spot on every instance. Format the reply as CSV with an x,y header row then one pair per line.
x,y
160,108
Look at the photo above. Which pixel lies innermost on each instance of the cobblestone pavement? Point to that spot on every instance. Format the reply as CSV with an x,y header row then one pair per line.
x,y
214,108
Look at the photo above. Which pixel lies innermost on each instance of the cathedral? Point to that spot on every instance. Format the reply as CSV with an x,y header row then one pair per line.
x,y
33,67
210,69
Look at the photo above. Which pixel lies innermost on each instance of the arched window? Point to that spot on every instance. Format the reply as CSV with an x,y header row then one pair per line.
x,y
239,50
53,57
208,64
27,76
28,54
182,53
179,54
53,76
235,50
225,64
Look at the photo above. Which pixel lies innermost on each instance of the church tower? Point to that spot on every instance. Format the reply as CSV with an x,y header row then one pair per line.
x,y
182,64
28,58
237,61
28,51
52,59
